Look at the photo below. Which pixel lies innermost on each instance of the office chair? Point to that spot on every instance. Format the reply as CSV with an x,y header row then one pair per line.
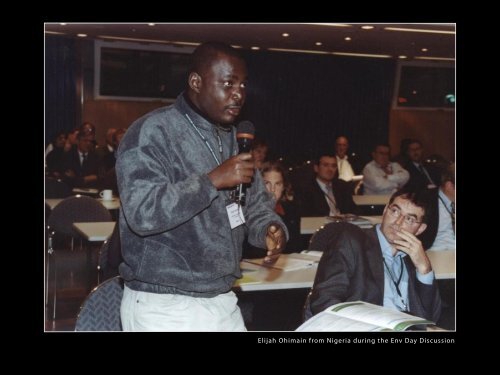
x,y
56,188
101,309
60,223
323,240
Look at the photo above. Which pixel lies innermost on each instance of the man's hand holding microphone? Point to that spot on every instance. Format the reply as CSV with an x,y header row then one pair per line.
x,y
238,171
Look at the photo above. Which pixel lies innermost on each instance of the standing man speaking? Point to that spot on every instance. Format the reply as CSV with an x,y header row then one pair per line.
x,y
181,229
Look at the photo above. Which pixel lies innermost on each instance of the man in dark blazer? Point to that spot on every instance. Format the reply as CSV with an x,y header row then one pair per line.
x,y
363,264
312,197
81,163
421,176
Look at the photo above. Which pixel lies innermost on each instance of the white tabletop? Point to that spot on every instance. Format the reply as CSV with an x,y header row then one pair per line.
x,y
53,202
443,263
113,204
371,200
97,231
257,278
267,278
79,190
309,225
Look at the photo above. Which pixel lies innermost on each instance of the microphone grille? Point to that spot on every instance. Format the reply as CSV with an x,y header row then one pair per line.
x,y
245,127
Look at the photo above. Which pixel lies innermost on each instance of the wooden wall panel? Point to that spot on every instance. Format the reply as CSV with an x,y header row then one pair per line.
x,y
106,114
435,128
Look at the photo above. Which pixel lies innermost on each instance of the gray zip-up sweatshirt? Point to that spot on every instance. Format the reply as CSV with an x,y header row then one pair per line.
x,y
175,232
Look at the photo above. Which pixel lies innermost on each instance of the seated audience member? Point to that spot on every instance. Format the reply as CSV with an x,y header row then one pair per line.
x,y
259,152
108,158
81,163
420,175
276,182
326,194
402,157
347,170
107,176
445,239
108,149
382,177
89,129
55,158
53,142
71,139
385,265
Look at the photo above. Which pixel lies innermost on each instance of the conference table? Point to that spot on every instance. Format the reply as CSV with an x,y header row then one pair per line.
x,y
443,263
112,204
371,200
309,225
256,278
259,278
95,231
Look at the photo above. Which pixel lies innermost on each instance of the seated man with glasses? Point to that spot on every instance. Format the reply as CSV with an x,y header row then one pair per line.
x,y
386,265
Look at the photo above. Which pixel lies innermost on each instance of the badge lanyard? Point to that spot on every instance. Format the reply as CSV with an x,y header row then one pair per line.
x,y
206,141
235,213
445,206
396,284
219,162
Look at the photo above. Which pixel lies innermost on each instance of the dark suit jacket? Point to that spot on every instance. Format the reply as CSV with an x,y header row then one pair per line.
x,y
417,179
356,163
352,269
55,161
312,200
89,167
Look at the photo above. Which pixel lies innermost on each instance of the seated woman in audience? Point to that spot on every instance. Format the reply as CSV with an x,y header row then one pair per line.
x,y
55,158
71,139
276,182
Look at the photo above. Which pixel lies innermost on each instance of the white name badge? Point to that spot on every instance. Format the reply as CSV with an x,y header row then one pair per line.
x,y
235,215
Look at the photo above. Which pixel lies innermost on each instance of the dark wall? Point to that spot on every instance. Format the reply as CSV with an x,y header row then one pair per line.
x,y
60,86
300,102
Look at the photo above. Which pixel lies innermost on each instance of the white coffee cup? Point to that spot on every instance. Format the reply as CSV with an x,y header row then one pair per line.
x,y
106,195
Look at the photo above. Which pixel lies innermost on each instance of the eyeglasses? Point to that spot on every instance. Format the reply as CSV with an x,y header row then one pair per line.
x,y
407,219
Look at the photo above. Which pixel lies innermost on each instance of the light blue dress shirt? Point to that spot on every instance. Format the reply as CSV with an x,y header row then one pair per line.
x,y
445,238
391,297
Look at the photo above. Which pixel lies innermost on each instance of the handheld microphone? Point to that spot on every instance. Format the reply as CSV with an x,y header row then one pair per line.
x,y
244,135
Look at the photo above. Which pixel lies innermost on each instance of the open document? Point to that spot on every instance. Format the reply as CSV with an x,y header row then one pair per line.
x,y
360,316
353,219
287,262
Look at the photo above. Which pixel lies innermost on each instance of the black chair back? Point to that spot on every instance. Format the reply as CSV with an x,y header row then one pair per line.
x,y
56,188
110,255
76,209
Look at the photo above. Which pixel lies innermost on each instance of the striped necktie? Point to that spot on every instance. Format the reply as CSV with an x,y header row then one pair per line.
x,y
422,170
332,203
